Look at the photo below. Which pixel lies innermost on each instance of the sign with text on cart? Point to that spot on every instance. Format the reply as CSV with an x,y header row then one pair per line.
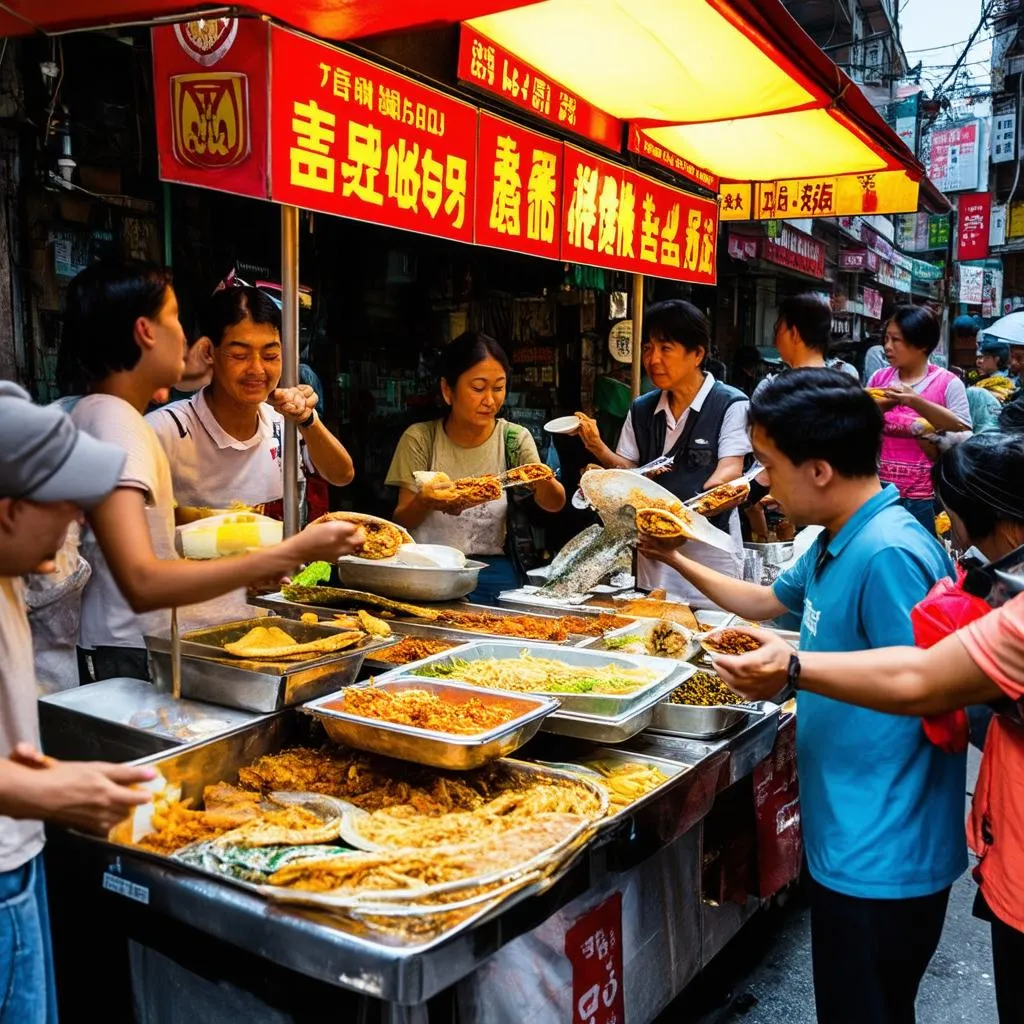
x,y
614,218
593,946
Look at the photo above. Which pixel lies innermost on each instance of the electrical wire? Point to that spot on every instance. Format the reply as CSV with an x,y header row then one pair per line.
x,y
59,45
970,42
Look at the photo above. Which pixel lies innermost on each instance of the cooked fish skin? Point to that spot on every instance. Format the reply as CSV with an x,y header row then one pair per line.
x,y
338,597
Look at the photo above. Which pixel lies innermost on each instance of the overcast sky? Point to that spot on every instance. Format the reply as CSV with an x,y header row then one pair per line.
x,y
936,31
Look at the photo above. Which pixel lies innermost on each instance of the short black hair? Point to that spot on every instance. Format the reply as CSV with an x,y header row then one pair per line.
x,y
811,316
918,326
817,413
231,306
679,321
465,351
100,309
997,348
982,481
1011,417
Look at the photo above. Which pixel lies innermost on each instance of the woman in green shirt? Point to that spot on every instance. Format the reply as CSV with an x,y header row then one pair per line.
x,y
469,441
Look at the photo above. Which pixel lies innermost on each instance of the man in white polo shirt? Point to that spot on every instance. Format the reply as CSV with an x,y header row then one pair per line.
x,y
225,443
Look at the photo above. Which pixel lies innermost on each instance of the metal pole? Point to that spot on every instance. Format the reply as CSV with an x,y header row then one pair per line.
x,y
638,331
290,358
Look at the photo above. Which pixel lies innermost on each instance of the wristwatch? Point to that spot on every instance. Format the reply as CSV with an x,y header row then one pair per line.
x,y
309,420
793,672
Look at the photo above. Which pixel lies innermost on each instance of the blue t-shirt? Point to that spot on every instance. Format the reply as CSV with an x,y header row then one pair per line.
x,y
882,808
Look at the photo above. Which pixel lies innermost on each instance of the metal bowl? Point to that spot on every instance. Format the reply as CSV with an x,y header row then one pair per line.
x,y
407,582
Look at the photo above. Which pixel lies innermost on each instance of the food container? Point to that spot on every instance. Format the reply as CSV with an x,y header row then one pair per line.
x,y
697,721
602,705
641,629
606,728
232,534
409,582
775,553
427,746
210,674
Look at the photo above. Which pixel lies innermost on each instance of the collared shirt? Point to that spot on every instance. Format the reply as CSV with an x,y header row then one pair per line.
x,y
733,440
882,807
212,469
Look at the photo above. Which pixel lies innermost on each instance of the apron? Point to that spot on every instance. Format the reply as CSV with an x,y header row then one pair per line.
x,y
478,531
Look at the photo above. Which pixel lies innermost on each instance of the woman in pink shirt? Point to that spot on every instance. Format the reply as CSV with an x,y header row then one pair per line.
x,y
982,485
915,390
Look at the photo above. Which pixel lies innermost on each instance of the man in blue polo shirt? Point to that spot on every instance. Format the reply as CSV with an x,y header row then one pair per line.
x,y
882,808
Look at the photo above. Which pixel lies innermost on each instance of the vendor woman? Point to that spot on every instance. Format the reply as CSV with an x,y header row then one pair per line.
x,y
699,420
469,441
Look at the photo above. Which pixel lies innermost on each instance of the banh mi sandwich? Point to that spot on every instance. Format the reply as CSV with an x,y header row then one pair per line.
x,y
656,522
383,539
470,490
528,474
720,496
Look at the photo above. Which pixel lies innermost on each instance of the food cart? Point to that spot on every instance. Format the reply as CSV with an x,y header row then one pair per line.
x,y
618,925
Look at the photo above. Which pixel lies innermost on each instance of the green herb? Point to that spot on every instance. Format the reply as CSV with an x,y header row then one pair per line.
x,y
314,574
615,643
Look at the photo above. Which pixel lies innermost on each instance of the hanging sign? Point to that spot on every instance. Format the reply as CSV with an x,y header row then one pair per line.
x,y
620,341
795,250
872,302
354,139
953,157
614,218
972,284
734,201
1004,131
938,231
518,188
640,142
972,226
486,65
210,84
593,946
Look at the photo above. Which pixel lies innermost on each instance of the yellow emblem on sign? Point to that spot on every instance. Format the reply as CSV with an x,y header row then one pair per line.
x,y
210,113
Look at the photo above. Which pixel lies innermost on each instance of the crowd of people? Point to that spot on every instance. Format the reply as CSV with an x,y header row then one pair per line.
x,y
888,632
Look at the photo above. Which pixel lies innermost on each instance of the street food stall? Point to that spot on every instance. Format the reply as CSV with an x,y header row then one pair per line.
x,y
614,816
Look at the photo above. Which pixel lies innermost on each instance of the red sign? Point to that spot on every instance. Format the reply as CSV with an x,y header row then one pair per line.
x,y
640,142
972,226
795,250
777,812
487,66
872,303
353,139
613,217
858,259
742,247
593,946
210,81
953,158
518,188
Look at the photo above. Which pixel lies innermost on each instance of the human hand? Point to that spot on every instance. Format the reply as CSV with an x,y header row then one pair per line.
x,y
294,404
898,393
89,795
28,756
761,674
588,432
659,549
327,542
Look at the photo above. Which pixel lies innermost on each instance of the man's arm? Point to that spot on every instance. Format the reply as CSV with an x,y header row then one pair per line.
x,y
328,454
591,438
746,599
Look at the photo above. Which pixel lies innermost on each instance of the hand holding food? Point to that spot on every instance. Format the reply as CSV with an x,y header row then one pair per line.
x,y
294,404
901,394
589,433
659,549
327,541
665,529
759,674
453,497
530,473
882,398
382,539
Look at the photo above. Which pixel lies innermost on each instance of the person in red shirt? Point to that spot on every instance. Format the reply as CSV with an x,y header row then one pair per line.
x,y
982,485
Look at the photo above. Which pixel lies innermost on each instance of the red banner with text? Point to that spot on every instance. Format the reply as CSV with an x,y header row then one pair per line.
x,y
973,213
518,188
210,84
594,948
640,142
354,139
614,218
488,66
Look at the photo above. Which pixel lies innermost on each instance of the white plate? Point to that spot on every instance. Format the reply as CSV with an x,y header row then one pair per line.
x,y
562,425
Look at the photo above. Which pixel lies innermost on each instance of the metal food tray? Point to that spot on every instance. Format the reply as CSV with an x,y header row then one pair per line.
x,y
409,582
601,706
697,721
640,628
452,751
209,674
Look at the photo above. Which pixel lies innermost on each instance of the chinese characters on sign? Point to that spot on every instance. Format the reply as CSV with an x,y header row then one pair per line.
x,y
354,139
795,250
1004,132
593,946
487,66
972,226
872,301
811,197
953,158
615,218
734,202
518,188
640,142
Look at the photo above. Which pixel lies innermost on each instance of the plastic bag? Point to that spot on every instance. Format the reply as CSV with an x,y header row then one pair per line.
x,y
947,608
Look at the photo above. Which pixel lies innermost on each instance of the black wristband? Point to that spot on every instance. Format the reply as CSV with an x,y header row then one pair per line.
x,y
793,672
309,420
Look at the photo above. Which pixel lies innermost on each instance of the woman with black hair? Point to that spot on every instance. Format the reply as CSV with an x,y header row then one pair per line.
x,y
700,421
469,441
910,391
978,660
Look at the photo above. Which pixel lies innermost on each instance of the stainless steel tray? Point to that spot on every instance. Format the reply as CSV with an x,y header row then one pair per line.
x,y
409,582
598,705
208,674
452,751
698,721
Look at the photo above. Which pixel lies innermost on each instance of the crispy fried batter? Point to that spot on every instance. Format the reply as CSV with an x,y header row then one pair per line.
x,y
722,495
478,489
275,644
656,522
412,648
424,710
529,473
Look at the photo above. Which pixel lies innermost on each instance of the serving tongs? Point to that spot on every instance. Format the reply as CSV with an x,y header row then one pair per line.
x,y
747,478
661,464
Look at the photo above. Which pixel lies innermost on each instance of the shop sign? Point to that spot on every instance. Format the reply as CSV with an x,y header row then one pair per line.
x,y
972,284
734,201
972,226
354,139
858,260
210,83
902,261
842,195
922,270
593,946
953,157
795,250
878,244
487,66
853,226
992,292
614,218
997,225
938,231
1015,225
742,247
1012,303
1004,132
640,142
518,188
894,277
872,302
